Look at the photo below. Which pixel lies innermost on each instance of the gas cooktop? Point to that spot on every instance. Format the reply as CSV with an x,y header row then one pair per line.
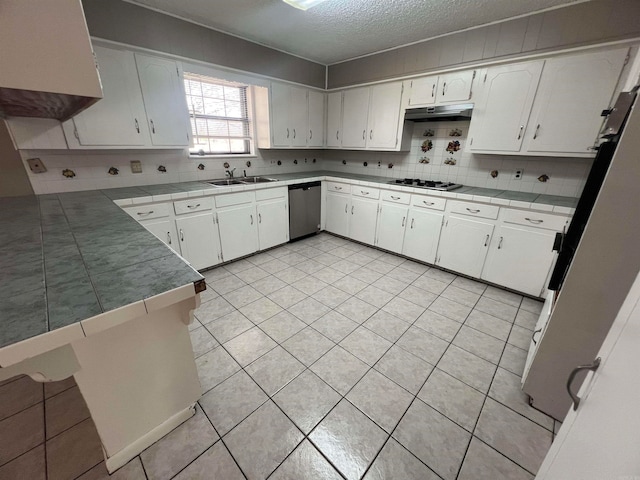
x,y
429,184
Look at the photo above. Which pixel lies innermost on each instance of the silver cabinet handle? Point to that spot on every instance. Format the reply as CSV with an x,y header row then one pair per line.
x,y
345,208
351,209
169,238
427,203
181,235
593,367
370,134
310,134
471,210
146,213
137,125
337,188
364,133
534,220
486,241
433,90
403,218
294,133
251,219
444,88
500,243
287,133
364,193
193,206
395,198
533,336
520,132
259,218
412,220
337,132
153,126
535,134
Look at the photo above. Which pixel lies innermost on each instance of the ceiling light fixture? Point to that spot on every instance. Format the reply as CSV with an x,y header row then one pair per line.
x,y
303,4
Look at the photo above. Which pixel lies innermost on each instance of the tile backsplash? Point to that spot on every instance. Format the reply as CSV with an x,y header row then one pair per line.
x,y
566,176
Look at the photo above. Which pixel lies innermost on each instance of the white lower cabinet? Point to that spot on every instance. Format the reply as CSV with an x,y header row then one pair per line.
x,y
166,231
273,222
464,244
364,216
337,213
238,230
391,227
199,240
422,234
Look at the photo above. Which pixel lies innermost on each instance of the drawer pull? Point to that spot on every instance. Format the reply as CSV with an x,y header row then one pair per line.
x,y
403,218
534,220
345,208
193,206
181,235
153,126
251,219
486,241
535,134
520,132
259,218
500,243
412,220
363,192
433,90
169,238
287,133
351,209
146,213
394,198
137,125
430,203
337,188
471,210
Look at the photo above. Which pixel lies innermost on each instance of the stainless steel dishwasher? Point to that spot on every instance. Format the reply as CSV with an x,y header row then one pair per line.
x,y
304,209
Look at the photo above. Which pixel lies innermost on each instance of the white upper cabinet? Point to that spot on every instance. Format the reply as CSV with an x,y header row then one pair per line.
x,y
455,87
422,91
355,114
573,92
384,116
503,105
334,119
119,118
316,119
280,129
164,101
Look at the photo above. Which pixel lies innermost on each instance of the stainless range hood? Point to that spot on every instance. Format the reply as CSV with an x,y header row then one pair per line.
x,y
441,112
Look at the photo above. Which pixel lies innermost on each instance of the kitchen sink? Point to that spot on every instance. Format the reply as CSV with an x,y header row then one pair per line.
x,y
257,180
225,182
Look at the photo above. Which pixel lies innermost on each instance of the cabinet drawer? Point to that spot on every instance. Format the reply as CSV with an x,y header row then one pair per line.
x,y
234,199
365,192
475,209
193,205
395,197
535,219
269,193
146,212
337,187
435,203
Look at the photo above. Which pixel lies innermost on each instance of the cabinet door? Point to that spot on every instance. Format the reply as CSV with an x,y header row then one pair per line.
x,y
119,118
502,110
362,224
455,87
422,235
199,240
334,119
520,259
273,223
166,231
299,116
384,115
391,227
573,92
238,231
355,111
316,119
280,128
164,101
337,213
463,245
423,91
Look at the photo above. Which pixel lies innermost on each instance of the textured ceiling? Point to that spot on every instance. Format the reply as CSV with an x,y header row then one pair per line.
x,y
341,29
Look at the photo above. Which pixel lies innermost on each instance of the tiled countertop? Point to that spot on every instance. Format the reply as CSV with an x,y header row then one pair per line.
x,y
69,257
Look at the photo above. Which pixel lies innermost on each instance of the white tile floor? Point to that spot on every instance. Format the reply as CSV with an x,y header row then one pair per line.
x,y
324,359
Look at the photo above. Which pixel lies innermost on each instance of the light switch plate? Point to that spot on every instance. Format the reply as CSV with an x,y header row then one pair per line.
x,y
36,165
136,166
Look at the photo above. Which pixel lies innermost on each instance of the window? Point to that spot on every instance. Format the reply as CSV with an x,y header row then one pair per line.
x,y
219,116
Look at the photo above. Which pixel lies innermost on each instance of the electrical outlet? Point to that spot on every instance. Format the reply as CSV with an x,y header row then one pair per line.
x,y
36,165
518,174
136,166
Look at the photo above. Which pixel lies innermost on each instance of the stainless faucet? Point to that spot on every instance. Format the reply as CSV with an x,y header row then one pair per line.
x,y
229,173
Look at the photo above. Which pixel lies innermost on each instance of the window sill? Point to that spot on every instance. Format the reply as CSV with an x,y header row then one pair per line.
x,y
223,157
